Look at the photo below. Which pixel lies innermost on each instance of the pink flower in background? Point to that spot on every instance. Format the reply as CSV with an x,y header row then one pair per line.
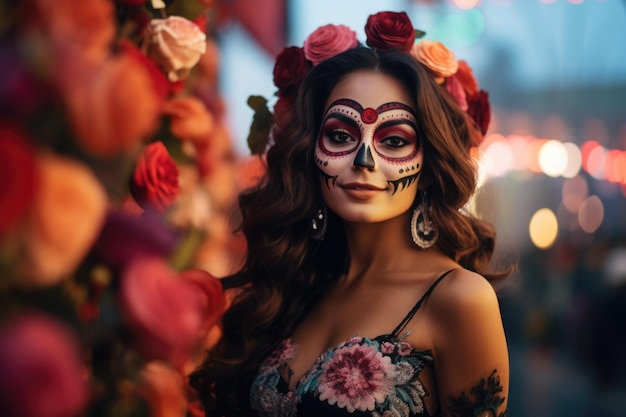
x,y
113,107
42,374
454,87
168,313
390,30
163,389
19,172
436,57
64,220
327,41
356,378
189,118
155,180
176,44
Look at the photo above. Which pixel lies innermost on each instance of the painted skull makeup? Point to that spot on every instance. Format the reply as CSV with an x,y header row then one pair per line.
x,y
384,138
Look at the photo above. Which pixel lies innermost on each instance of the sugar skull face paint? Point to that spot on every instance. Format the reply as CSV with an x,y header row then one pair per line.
x,y
368,149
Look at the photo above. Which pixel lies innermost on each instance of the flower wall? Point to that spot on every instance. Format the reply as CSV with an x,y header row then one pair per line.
x,y
120,184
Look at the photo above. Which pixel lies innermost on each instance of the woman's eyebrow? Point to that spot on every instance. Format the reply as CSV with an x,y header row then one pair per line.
x,y
397,122
342,118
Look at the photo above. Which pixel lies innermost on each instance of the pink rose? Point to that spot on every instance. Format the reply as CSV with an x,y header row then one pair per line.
x,y
42,374
169,313
455,88
64,221
176,44
327,41
390,30
436,57
19,171
155,179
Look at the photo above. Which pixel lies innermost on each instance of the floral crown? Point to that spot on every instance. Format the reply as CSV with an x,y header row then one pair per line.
x,y
384,30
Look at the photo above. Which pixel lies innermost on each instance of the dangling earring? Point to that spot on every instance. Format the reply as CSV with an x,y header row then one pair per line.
x,y
318,224
423,229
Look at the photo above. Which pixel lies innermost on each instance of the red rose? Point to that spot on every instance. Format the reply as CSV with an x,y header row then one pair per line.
x,y
480,110
155,180
169,313
466,76
290,68
327,41
390,30
20,173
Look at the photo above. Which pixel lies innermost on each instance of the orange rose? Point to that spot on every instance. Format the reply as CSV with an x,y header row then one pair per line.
x,y
85,26
67,215
114,108
189,118
155,180
176,44
163,389
436,57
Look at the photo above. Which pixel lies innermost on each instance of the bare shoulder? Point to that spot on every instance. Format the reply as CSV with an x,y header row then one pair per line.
x,y
463,296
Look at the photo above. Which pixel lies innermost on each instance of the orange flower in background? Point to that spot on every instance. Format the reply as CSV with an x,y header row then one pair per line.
x,y
169,314
18,170
114,108
163,389
42,375
159,80
176,44
189,118
65,219
85,26
155,180
436,57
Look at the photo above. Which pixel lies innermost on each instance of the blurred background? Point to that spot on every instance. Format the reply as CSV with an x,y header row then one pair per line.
x,y
553,170
121,170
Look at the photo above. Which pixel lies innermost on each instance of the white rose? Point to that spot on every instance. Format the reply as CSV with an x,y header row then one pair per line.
x,y
176,44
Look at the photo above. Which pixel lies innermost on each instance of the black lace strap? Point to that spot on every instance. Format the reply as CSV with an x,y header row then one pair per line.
x,y
417,306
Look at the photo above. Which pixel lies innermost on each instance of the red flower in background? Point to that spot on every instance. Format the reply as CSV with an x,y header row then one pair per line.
x,y
290,68
20,175
159,80
42,374
169,314
155,180
465,75
327,41
390,30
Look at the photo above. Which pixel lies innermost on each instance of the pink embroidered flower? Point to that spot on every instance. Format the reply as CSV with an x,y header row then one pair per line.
x,y
404,348
356,378
436,57
387,348
284,353
327,41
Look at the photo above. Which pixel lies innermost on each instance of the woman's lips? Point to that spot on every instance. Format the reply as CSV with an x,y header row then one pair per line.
x,y
360,191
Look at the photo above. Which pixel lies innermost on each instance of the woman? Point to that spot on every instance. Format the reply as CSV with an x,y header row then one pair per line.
x,y
364,289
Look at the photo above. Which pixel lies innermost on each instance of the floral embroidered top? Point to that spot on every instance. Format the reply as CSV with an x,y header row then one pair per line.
x,y
370,377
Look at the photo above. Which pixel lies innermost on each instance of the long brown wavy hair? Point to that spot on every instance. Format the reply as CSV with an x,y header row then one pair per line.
x,y
286,272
